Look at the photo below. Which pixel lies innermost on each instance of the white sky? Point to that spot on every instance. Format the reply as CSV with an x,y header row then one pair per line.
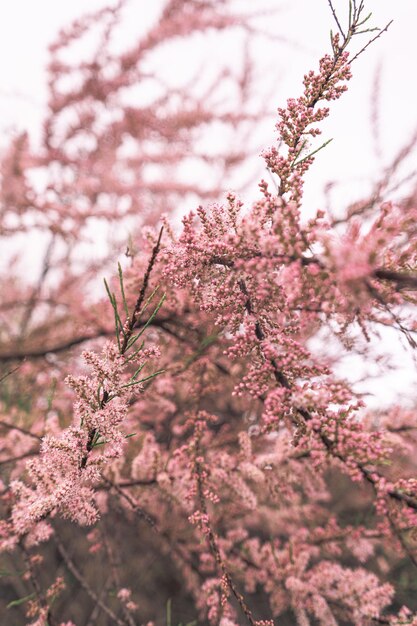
x,y
27,26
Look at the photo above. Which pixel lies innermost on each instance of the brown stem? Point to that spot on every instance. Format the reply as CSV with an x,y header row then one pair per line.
x,y
213,543
127,334
403,280
139,302
37,353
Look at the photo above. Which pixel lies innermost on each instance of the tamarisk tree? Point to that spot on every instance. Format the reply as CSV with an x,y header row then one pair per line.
x,y
209,464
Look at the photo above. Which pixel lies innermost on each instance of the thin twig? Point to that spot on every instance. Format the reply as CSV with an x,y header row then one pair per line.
x,y
139,302
336,19
127,331
40,596
214,548
73,569
380,32
92,618
30,306
115,564
9,373
138,510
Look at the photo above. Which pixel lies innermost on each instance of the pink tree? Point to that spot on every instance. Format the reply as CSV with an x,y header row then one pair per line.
x,y
115,141
210,436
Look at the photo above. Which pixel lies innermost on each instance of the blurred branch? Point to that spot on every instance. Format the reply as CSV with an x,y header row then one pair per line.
x,y
24,431
30,306
20,457
73,569
9,373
